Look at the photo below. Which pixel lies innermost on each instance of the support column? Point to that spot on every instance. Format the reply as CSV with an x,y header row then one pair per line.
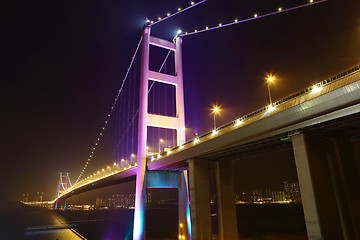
x,y
200,200
316,185
225,199
140,194
347,166
184,208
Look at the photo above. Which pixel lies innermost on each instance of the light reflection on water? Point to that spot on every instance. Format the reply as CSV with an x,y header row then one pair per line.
x,y
52,234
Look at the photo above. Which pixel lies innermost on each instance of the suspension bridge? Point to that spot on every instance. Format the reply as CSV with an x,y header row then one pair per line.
x,y
143,139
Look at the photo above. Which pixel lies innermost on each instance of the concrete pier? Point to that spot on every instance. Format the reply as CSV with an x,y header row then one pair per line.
x,y
225,199
200,210
329,180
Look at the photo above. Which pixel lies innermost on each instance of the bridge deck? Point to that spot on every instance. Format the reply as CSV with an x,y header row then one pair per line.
x,y
327,100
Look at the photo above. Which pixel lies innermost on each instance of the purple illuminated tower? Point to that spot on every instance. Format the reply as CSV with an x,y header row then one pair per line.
x,y
146,119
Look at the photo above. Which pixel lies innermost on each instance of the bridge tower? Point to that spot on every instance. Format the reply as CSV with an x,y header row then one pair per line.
x,y
64,184
146,179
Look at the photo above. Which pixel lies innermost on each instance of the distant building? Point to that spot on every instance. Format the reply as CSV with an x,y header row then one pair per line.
x,y
257,196
119,201
292,191
278,196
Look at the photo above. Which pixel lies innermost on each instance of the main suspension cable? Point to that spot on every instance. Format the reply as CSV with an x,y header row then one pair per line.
x,y
256,16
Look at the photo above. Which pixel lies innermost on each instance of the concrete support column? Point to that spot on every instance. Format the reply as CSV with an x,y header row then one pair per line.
x,y
317,188
347,167
225,199
200,200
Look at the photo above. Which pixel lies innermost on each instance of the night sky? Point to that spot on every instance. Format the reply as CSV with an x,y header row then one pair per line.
x,y
64,62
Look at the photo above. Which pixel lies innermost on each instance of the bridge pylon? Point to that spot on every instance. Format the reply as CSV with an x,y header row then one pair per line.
x,y
64,184
143,177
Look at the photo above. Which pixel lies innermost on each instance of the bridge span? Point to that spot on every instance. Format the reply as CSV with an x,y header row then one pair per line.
x,y
319,123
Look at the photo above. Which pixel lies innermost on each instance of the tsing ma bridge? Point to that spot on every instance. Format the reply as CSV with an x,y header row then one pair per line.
x,y
320,123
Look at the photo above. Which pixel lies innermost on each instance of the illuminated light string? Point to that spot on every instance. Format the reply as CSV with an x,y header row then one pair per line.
x,y
111,110
179,10
256,16
137,112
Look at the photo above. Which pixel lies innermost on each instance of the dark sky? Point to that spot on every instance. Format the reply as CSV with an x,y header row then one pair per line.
x,y
64,62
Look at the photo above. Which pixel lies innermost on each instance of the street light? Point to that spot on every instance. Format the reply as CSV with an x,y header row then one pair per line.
x,y
269,80
215,110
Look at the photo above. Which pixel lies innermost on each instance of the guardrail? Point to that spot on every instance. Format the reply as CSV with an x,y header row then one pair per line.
x,y
320,88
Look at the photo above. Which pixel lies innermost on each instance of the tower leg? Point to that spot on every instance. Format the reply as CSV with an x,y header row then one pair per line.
x,y
140,195
184,209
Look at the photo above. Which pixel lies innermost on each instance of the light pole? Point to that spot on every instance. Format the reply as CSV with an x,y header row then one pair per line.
x,y
160,141
269,80
215,110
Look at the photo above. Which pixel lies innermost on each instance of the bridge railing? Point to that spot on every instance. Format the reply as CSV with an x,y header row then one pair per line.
x,y
320,88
